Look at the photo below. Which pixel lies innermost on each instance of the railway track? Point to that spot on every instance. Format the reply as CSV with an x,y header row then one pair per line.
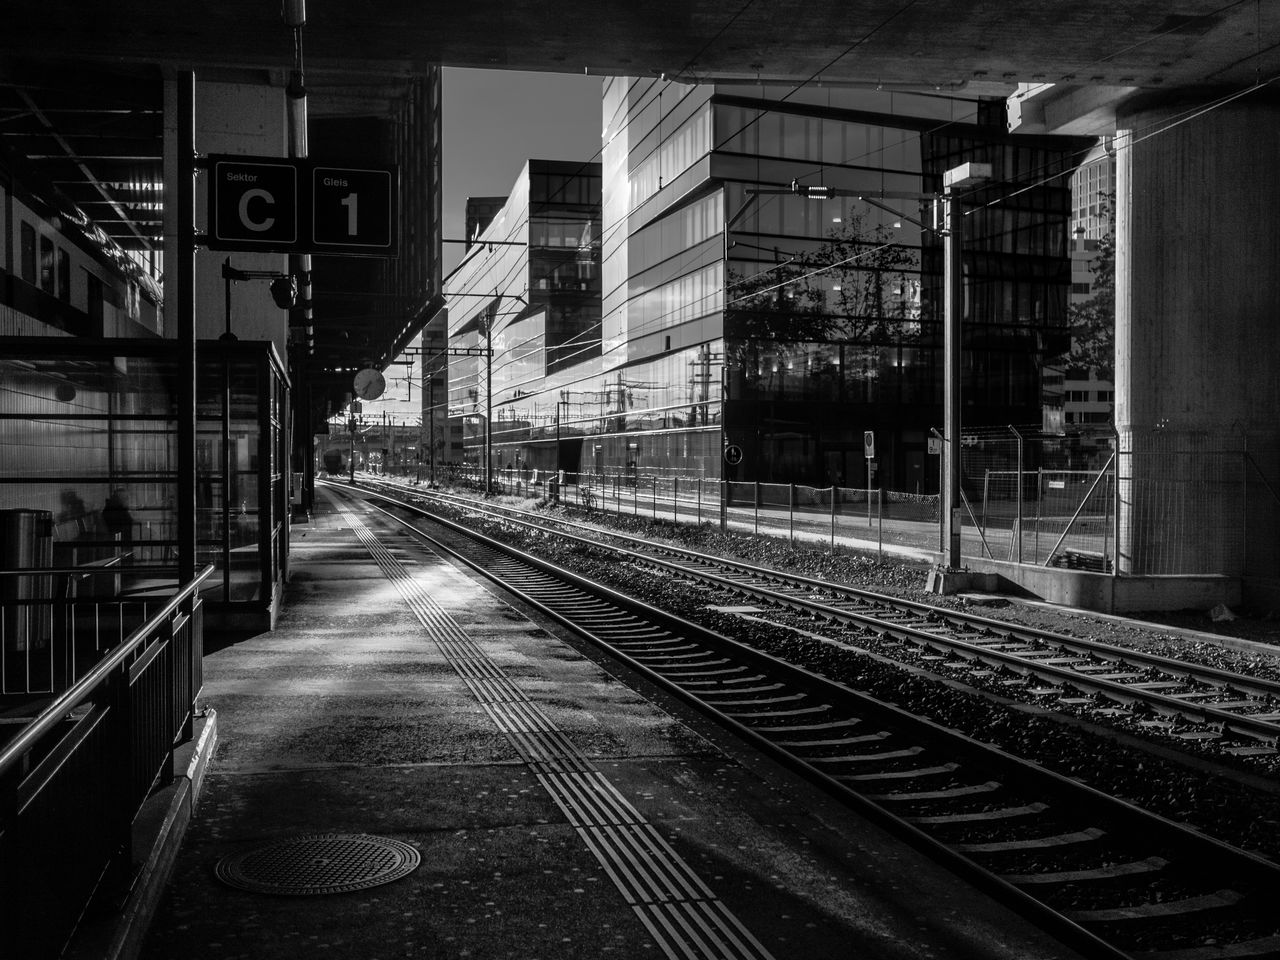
x,y
1070,669
1109,878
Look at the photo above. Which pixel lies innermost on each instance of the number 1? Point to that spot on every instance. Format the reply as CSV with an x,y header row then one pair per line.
x,y
349,201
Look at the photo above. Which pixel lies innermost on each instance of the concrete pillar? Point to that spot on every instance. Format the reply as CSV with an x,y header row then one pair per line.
x,y
1197,324
245,119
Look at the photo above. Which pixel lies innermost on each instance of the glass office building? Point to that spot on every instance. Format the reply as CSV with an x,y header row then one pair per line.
x,y
529,292
736,309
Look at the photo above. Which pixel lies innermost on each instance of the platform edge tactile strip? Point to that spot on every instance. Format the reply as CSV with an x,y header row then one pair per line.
x,y
680,912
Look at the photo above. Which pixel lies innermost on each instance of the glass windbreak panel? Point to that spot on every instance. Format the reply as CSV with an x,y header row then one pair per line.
x,y
241,395
210,490
245,574
242,378
87,435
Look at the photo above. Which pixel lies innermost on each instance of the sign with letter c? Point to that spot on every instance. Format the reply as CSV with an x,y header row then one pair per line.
x,y
247,218
253,204
301,206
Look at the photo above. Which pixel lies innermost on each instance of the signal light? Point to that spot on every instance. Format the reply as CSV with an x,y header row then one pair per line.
x,y
284,291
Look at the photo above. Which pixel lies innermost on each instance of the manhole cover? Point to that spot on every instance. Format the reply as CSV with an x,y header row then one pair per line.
x,y
319,863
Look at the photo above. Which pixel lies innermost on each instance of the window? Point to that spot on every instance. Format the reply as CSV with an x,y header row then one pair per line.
x,y
64,275
46,264
28,243
95,296
1077,396
1106,396
1081,288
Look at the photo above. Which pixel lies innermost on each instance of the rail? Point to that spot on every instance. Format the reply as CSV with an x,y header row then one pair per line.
x,y
1033,831
1211,697
75,776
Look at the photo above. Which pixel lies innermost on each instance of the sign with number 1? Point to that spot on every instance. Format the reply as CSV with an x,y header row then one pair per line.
x,y
351,210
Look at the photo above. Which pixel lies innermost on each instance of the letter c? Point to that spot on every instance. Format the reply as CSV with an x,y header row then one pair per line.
x,y
257,225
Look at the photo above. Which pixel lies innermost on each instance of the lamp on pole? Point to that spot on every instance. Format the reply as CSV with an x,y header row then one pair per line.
x,y
954,180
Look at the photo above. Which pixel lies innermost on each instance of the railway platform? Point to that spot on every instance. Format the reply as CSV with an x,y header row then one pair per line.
x,y
559,807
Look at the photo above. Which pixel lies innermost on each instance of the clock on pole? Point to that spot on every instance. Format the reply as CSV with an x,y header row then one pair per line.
x,y
369,384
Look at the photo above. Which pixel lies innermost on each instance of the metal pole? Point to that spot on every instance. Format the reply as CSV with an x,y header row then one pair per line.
x,y
699,507
1017,525
186,316
227,486
226,299
351,465
431,414
833,518
942,483
868,491
1115,566
675,502
488,401
880,513
756,522
791,513
953,305
1039,508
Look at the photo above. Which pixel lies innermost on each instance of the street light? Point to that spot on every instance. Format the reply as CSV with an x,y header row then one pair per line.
x,y
954,180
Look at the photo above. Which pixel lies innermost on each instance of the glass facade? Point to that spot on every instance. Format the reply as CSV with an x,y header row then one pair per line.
x,y
88,435
529,291
734,310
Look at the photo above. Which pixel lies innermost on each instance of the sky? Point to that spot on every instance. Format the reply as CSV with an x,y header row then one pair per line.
x,y
495,120
492,122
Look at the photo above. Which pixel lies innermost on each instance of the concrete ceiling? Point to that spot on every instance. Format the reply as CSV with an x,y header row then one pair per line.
x,y
80,96
1146,43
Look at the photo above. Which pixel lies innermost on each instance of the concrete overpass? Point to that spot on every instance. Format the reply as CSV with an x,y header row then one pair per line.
x,y
1144,43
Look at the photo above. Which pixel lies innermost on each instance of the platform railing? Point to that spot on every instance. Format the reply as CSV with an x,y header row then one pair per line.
x,y
56,623
73,778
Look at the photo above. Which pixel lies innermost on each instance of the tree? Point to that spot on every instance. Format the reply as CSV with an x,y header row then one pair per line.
x,y
859,287
1093,322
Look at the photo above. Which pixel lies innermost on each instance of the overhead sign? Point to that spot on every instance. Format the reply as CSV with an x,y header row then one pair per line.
x,y
288,205
869,444
733,454
253,204
351,210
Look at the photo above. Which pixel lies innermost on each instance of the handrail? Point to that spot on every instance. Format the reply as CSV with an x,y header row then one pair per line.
x,y
83,569
52,715
90,567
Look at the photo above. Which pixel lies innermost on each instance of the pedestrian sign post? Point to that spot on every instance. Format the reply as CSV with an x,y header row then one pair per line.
x,y
293,205
733,454
253,205
869,450
351,210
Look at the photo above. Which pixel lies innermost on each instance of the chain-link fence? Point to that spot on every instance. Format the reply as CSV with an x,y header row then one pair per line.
x,y
1152,502
1182,500
1045,499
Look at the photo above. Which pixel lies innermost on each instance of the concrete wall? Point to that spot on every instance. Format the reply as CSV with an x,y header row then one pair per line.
x,y
247,120
1197,337
1197,284
1100,591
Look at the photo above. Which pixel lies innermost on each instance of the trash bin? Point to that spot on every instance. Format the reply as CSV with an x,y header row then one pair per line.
x,y
26,542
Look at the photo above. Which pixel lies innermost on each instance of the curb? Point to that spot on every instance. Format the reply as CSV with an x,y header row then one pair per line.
x,y
159,829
